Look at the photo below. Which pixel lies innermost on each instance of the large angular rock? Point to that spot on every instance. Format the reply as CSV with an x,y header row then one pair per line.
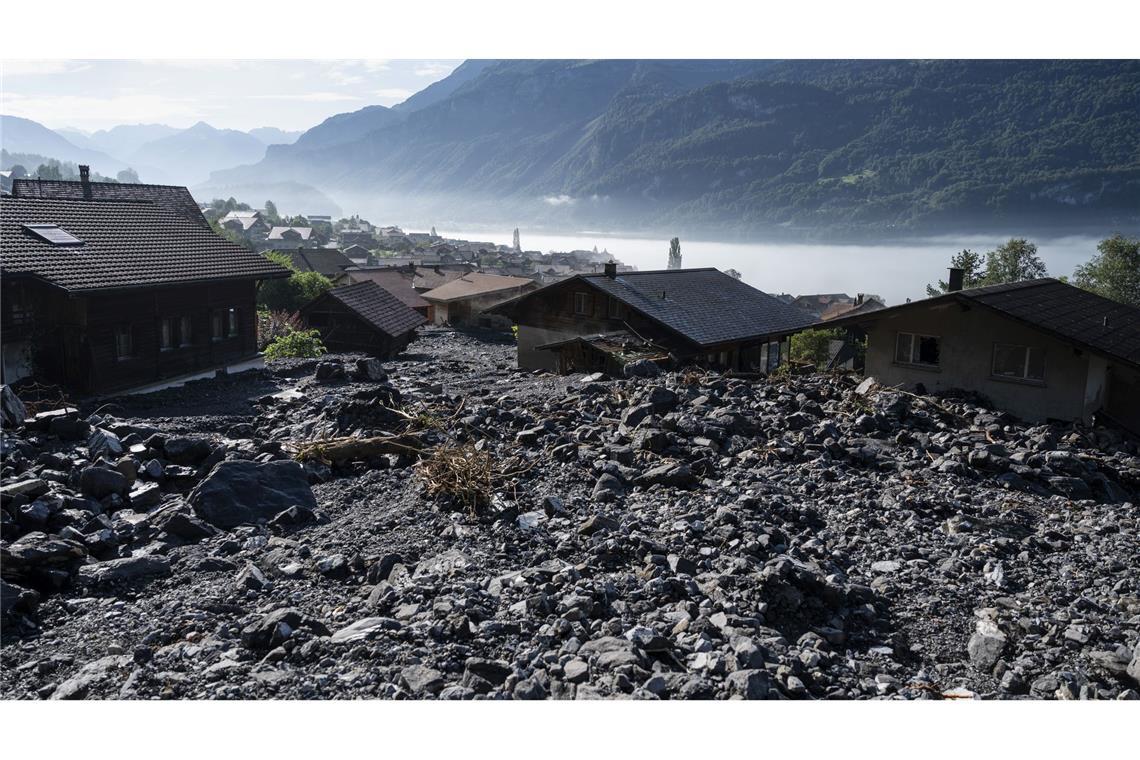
x,y
104,443
364,629
12,410
15,598
123,570
1134,666
98,482
986,646
749,684
38,550
610,652
239,492
191,451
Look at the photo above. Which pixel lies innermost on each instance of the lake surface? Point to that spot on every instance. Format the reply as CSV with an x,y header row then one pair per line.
x,y
894,271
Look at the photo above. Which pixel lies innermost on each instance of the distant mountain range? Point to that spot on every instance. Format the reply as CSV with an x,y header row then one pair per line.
x,y
724,148
740,147
159,153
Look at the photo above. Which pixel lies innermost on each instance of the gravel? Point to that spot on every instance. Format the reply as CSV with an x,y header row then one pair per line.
x,y
682,535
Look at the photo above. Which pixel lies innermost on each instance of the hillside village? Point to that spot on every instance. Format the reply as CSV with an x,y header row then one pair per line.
x,y
293,445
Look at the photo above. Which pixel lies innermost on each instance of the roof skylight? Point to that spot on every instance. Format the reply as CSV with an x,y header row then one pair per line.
x,y
53,233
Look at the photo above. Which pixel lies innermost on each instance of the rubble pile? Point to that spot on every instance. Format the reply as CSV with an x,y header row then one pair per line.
x,y
686,535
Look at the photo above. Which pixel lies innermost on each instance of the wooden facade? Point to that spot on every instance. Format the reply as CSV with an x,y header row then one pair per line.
x,y
95,343
574,308
342,329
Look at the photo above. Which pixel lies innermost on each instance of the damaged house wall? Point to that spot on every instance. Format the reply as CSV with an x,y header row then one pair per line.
x,y
967,339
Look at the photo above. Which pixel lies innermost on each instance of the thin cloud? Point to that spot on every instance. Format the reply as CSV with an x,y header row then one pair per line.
x,y
434,69
27,67
100,111
311,97
393,94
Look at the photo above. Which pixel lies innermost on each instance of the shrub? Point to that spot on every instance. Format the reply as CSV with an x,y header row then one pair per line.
x,y
272,325
298,344
814,345
292,293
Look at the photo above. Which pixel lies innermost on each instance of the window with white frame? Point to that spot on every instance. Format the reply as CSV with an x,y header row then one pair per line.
x,y
582,303
1019,362
913,348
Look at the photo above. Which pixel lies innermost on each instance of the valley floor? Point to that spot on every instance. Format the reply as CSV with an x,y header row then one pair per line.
x,y
689,536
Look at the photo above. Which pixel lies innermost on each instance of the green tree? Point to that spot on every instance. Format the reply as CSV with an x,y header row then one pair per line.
x,y
271,214
674,254
1114,272
290,294
1013,261
18,171
815,345
967,260
49,171
128,175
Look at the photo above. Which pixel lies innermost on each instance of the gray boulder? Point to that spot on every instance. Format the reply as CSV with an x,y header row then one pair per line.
x,y
98,482
239,492
191,451
12,409
985,646
641,368
123,570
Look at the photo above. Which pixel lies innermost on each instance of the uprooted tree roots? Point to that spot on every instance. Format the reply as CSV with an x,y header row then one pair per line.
x,y
333,450
462,476
467,477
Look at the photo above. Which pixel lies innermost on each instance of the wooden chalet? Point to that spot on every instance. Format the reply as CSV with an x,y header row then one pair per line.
x,y
698,316
109,287
362,317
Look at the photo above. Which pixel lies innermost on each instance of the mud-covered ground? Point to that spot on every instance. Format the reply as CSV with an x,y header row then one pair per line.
x,y
678,536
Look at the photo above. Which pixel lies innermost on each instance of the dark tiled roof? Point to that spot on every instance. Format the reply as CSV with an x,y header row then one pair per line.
x,y
378,307
398,282
1068,312
173,197
705,305
475,284
327,261
1054,307
125,245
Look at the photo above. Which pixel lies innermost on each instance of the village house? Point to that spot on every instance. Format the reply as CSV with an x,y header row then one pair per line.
x,y
1039,349
356,237
113,287
694,315
285,238
362,317
464,300
358,254
818,303
861,304
429,278
398,282
327,261
246,223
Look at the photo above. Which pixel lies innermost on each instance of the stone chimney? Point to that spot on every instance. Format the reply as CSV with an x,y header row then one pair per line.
x,y
85,178
957,279
611,269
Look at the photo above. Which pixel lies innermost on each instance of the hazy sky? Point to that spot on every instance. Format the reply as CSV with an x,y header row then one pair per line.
x,y
235,94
